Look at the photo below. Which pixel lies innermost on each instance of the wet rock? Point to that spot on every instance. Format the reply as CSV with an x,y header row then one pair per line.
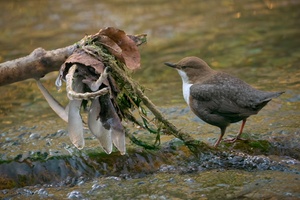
x,y
42,192
3,134
98,186
295,98
81,180
71,181
42,167
184,111
48,142
4,191
161,197
290,161
8,139
171,180
75,195
57,134
175,143
140,183
113,178
189,180
167,168
34,136
25,192
54,152
24,135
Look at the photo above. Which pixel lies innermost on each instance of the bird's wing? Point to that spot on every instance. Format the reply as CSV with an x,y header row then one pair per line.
x,y
219,100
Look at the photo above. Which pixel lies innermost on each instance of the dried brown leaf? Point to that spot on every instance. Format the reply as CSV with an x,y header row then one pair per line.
x,y
81,57
130,54
113,48
84,59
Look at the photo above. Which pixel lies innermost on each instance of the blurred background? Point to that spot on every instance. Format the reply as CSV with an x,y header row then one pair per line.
x,y
255,40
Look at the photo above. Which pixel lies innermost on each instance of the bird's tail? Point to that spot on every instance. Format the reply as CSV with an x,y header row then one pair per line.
x,y
268,97
272,95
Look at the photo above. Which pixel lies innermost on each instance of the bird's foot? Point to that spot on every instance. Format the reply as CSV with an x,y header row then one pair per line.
x,y
233,140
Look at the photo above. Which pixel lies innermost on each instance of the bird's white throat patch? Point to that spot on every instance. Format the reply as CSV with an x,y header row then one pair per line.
x,y
185,86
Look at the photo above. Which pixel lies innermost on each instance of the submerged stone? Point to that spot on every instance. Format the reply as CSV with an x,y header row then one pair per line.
x,y
75,195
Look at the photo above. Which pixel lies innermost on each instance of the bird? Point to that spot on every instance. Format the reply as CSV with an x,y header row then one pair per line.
x,y
219,98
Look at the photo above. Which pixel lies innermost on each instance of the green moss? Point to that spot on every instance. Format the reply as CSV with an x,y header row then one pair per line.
x,y
250,146
38,156
262,145
7,183
4,161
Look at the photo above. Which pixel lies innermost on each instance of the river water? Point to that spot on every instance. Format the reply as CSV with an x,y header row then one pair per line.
x,y
256,40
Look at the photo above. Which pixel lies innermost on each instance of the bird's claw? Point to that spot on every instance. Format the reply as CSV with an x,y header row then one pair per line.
x,y
233,140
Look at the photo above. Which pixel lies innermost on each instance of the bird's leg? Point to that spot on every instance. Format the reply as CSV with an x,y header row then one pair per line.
x,y
241,129
232,140
220,138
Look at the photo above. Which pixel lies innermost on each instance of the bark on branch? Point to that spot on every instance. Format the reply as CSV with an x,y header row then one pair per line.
x,y
35,65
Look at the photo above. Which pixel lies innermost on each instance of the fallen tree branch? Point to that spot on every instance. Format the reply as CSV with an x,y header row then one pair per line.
x,y
41,62
36,65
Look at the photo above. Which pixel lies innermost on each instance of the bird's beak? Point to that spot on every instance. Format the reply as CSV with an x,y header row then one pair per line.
x,y
173,65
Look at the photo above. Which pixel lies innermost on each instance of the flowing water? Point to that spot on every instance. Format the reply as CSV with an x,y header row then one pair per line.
x,y
256,40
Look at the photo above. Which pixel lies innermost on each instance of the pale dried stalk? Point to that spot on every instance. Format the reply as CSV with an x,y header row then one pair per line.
x,y
79,96
53,103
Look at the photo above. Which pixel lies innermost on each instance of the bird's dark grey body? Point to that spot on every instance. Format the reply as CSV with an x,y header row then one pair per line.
x,y
223,99
217,97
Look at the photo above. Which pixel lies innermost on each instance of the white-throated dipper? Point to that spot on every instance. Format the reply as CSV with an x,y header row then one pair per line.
x,y
218,98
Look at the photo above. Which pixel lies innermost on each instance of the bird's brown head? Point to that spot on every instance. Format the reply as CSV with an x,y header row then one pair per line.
x,y
193,67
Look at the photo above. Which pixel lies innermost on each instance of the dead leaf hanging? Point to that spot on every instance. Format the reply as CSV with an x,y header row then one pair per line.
x,y
130,54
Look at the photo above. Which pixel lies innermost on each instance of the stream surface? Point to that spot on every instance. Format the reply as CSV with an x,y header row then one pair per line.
x,y
255,40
